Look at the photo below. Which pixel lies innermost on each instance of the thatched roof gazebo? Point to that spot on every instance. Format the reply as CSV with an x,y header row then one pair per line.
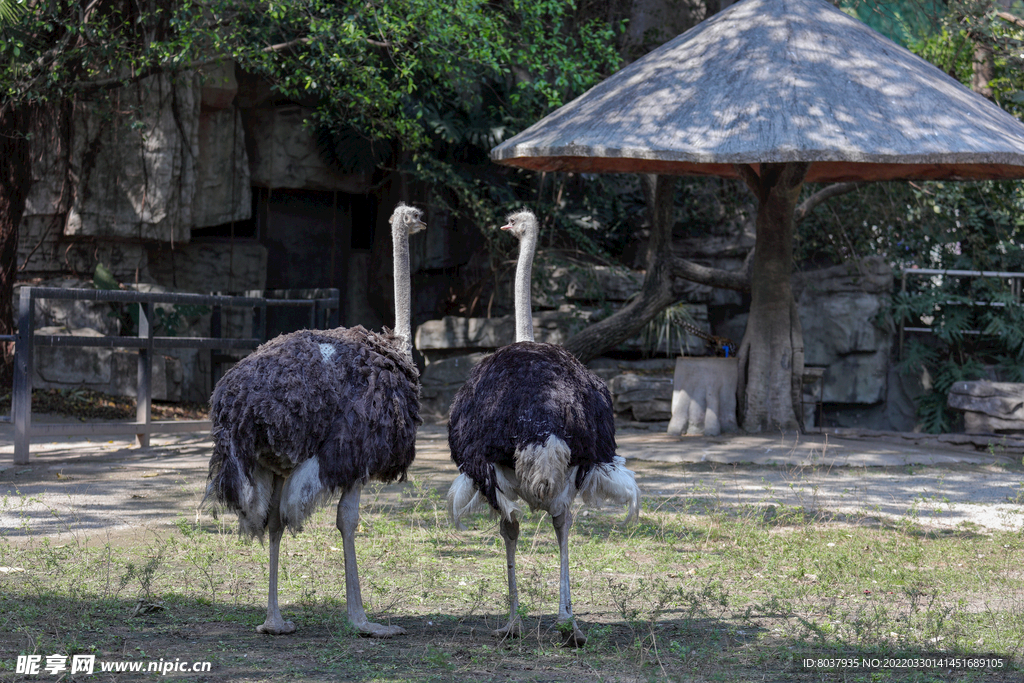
x,y
778,93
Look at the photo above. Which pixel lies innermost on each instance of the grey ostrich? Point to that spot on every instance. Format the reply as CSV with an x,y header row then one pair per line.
x,y
532,422
313,413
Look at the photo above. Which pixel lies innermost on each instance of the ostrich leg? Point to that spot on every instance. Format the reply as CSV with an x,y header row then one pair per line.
x,y
275,624
510,532
566,624
348,519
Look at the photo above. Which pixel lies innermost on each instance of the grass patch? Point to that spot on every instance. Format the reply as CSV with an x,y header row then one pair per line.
x,y
694,592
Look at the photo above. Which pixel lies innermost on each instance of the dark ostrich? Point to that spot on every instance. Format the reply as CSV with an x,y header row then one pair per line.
x,y
532,422
313,413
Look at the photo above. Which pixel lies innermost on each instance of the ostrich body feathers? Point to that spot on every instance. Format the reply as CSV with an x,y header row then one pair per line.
x,y
533,422
326,409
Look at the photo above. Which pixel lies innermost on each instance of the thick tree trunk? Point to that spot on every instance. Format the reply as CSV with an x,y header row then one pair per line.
x,y
771,355
655,294
15,178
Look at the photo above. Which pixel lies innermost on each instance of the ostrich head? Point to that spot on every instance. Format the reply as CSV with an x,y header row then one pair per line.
x,y
521,224
408,218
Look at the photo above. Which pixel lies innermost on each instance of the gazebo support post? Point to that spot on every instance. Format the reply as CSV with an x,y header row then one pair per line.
x,y
771,355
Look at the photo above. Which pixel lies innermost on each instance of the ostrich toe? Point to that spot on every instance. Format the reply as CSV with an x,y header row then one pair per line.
x,y
276,627
372,630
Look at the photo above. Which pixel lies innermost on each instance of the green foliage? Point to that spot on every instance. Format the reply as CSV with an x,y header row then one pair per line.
x,y
427,89
902,21
64,49
414,71
668,330
10,11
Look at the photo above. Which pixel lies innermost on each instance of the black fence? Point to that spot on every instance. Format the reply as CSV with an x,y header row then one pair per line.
x,y
1015,280
323,312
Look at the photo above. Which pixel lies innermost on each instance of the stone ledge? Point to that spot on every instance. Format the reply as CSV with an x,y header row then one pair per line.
x,y
989,407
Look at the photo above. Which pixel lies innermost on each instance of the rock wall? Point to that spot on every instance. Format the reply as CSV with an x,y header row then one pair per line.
x,y
173,159
841,310
137,173
284,153
112,371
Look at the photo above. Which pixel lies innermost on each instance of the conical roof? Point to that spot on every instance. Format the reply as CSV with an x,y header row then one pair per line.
x,y
777,81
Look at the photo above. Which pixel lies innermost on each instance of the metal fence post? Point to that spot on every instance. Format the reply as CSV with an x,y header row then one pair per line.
x,y
21,397
334,318
216,332
144,392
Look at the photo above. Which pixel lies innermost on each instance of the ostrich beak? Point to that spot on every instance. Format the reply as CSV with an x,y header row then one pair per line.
x,y
506,227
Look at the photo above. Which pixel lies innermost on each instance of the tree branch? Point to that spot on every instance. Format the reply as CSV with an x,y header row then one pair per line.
x,y
712,277
804,209
750,177
1006,16
280,47
152,69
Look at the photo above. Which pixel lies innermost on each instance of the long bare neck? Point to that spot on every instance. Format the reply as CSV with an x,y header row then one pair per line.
x,y
524,274
403,288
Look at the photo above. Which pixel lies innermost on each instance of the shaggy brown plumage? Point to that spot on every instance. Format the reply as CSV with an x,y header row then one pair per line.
x,y
347,397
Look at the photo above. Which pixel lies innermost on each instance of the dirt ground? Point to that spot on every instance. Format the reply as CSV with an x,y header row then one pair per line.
x,y
109,486
111,491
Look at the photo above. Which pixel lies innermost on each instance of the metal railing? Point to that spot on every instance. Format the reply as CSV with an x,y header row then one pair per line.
x,y
325,309
1015,289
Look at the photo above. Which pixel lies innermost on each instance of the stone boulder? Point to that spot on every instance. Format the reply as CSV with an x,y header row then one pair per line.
x,y
455,335
839,310
205,267
137,173
989,407
558,281
223,191
285,155
452,335
608,368
646,398
97,316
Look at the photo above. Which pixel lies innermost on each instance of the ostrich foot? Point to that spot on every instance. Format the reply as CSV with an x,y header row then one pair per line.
x,y
372,630
572,636
276,627
514,629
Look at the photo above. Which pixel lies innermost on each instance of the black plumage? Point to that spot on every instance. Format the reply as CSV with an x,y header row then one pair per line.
x,y
520,396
